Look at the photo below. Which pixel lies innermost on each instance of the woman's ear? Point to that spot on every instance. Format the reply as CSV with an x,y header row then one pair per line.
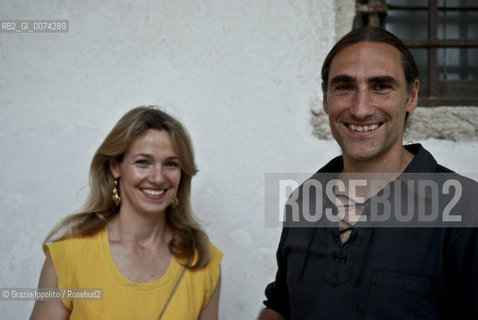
x,y
114,168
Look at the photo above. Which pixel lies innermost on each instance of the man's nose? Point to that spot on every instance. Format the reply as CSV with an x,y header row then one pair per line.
x,y
363,105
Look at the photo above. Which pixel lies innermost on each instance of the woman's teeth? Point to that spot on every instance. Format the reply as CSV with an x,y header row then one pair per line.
x,y
153,192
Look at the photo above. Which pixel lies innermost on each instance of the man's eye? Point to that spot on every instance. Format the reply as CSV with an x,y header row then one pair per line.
x,y
382,86
343,87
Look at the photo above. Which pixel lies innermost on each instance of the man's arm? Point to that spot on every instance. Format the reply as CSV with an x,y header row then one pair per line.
x,y
269,314
464,279
277,292
462,256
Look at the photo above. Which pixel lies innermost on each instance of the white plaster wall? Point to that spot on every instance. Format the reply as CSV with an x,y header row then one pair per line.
x,y
238,74
241,75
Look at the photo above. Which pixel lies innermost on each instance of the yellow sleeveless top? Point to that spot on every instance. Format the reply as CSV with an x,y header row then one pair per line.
x,y
86,262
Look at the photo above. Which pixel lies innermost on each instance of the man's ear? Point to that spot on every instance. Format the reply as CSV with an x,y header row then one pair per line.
x,y
413,96
114,168
324,99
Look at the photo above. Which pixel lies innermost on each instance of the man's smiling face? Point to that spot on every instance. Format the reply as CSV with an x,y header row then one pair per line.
x,y
367,99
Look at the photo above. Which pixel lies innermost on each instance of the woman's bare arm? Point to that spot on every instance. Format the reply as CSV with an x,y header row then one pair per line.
x,y
211,310
54,310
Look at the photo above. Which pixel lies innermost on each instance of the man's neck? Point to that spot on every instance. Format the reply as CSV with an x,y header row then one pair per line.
x,y
382,170
395,162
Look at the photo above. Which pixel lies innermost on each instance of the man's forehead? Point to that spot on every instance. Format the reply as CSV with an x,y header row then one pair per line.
x,y
367,59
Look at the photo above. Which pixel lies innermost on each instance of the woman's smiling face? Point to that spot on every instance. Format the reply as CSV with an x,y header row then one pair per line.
x,y
149,174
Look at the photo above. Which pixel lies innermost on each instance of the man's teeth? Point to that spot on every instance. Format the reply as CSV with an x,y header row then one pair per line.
x,y
153,192
363,128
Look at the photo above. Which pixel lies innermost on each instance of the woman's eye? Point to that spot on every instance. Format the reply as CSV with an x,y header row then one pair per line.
x,y
172,164
142,162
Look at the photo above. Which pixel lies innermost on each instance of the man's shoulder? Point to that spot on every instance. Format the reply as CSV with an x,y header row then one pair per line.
x,y
333,166
443,169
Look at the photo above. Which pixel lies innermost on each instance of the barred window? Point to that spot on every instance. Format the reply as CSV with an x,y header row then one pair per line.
x,y
442,36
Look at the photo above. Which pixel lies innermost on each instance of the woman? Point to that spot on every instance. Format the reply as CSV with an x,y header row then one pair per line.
x,y
137,238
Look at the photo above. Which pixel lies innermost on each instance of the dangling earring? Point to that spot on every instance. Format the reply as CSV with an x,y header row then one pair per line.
x,y
175,202
116,197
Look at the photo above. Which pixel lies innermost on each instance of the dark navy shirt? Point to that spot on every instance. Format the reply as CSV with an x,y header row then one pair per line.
x,y
378,273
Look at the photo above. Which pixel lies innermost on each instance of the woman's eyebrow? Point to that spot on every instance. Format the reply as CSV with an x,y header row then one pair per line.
x,y
145,155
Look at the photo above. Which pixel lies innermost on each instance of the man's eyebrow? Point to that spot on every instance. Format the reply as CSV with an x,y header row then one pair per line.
x,y
386,79
341,78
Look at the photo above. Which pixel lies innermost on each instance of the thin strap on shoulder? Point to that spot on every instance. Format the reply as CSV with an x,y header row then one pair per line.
x,y
174,289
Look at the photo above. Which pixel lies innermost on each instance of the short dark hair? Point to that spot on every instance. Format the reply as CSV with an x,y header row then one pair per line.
x,y
371,34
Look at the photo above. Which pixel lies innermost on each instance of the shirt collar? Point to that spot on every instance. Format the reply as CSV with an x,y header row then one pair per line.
x,y
422,161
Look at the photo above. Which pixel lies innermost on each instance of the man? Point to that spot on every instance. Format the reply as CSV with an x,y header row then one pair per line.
x,y
348,269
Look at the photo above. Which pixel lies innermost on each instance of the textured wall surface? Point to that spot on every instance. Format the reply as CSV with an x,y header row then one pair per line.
x,y
443,123
241,75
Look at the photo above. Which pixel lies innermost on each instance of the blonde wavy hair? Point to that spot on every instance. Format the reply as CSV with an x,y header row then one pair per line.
x,y
188,236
